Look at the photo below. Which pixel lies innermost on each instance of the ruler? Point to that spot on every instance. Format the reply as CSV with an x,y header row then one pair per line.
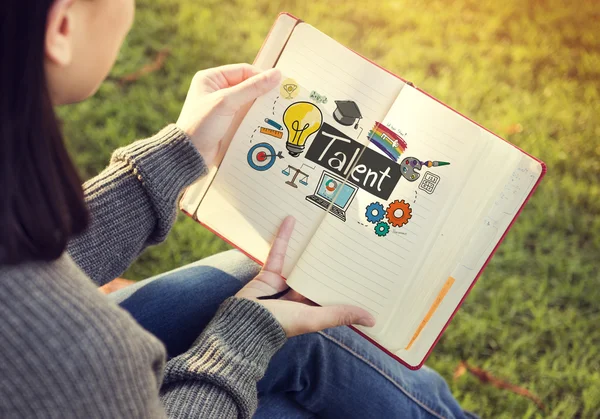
x,y
271,132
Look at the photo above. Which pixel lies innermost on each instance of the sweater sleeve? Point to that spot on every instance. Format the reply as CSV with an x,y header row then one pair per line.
x,y
132,202
66,351
217,377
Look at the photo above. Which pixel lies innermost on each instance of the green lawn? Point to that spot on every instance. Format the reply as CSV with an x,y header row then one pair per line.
x,y
533,318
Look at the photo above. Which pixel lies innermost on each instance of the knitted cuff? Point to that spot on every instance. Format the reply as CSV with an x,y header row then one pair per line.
x,y
248,328
234,350
232,355
165,163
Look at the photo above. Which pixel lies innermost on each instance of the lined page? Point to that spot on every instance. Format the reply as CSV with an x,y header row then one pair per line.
x,y
347,262
477,250
325,66
247,206
486,180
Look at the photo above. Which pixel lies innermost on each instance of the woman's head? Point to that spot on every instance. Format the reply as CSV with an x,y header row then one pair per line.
x,y
52,52
82,40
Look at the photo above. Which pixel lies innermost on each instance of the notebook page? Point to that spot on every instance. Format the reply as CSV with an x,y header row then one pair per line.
x,y
250,194
486,180
484,172
245,205
490,231
371,259
321,64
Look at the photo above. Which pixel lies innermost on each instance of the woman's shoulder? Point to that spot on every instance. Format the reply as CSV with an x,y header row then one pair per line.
x,y
53,313
63,343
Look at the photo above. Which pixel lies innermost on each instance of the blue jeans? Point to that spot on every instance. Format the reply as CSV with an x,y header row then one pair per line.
x,y
334,373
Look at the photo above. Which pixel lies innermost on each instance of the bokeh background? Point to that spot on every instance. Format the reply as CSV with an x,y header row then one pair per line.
x,y
528,70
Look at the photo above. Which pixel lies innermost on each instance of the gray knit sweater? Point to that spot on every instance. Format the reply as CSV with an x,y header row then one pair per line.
x,y
66,351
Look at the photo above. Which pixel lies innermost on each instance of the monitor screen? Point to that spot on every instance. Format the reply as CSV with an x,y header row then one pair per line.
x,y
329,188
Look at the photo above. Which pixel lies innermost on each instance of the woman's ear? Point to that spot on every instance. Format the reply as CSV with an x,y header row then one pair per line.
x,y
58,45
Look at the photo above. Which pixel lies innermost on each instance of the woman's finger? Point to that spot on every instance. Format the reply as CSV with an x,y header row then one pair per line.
x,y
248,90
320,318
237,73
276,258
228,75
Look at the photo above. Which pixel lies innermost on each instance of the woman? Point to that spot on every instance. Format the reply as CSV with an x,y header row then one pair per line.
x,y
66,350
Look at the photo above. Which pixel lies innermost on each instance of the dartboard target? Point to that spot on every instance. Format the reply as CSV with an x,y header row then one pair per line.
x,y
261,156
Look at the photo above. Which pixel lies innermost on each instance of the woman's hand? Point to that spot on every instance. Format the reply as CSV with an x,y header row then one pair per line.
x,y
296,314
215,96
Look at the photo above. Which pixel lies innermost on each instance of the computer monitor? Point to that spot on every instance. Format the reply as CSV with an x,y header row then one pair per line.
x,y
328,188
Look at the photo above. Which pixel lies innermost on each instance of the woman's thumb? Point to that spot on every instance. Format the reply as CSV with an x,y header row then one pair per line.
x,y
251,88
342,315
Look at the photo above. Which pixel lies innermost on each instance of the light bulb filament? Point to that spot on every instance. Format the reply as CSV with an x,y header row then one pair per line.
x,y
297,131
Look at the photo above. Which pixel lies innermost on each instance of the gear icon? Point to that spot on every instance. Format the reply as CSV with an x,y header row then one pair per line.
x,y
393,219
374,212
382,229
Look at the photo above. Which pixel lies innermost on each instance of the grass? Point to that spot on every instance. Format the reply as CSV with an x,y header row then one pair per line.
x,y
529,71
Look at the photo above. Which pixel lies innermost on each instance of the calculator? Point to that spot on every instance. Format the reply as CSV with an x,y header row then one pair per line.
x,y
429,182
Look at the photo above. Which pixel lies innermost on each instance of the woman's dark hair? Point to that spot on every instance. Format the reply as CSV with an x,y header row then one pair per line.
x,y
41,198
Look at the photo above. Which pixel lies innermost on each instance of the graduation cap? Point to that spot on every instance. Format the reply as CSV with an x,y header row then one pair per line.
x,y
347,113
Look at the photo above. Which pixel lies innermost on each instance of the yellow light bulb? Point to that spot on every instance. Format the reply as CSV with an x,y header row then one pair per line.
x,y
302,119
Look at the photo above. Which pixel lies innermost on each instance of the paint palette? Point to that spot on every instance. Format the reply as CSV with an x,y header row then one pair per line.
x,y
410,167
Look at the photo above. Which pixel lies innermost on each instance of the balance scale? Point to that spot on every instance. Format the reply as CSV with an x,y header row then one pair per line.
x,y
303,180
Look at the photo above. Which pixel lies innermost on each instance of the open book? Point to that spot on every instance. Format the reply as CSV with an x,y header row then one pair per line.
x,y
399,200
